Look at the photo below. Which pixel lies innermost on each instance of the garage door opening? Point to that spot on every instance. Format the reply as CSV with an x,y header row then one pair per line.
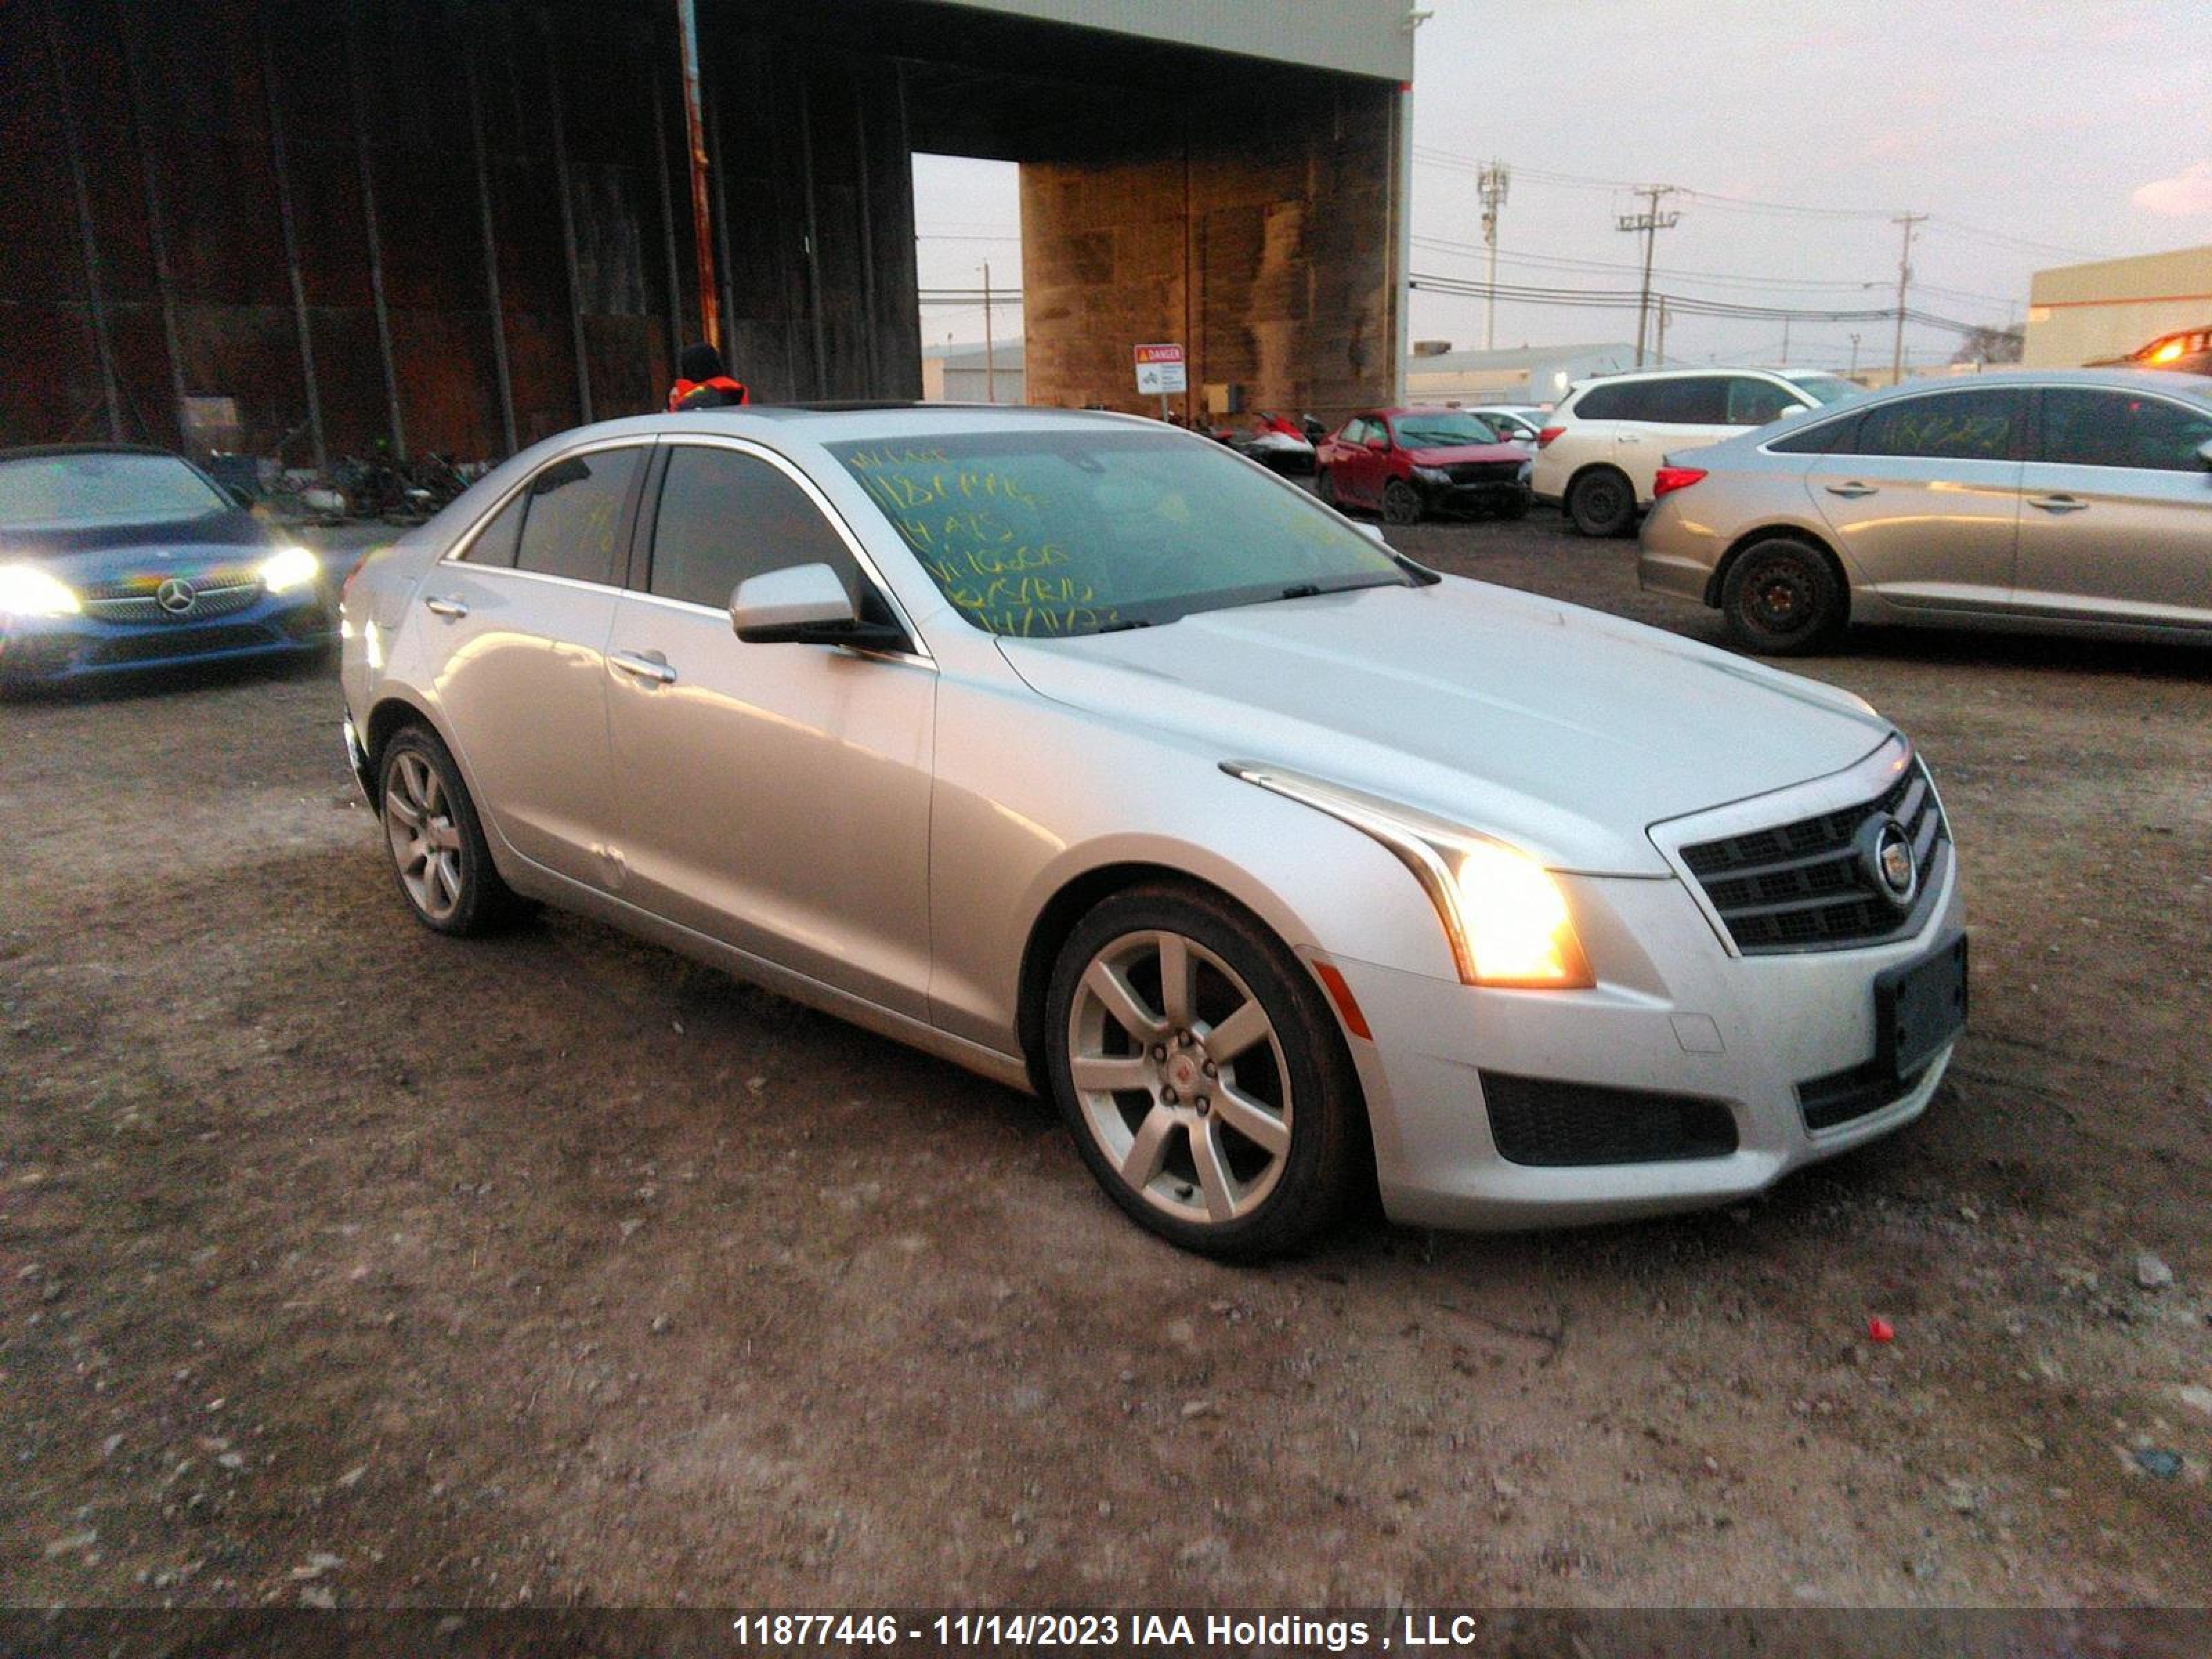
x,y
967,258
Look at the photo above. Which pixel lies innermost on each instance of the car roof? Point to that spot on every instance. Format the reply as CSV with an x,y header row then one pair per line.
x,y
2196,386
28,451
777,424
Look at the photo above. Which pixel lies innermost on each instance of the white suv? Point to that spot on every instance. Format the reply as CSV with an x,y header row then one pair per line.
x,y
1598,451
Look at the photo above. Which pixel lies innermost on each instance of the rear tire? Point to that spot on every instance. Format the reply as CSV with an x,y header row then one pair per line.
x,y
1782,598
439,853
1602,503
1223,1115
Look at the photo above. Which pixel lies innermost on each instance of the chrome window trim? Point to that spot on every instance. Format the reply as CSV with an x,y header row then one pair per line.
x,y
822,505
457,553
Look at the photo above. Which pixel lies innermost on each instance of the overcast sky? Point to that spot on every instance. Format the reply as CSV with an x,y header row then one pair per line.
x,y
2034,134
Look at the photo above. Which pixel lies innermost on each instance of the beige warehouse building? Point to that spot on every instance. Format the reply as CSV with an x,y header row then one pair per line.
x,y
2089,313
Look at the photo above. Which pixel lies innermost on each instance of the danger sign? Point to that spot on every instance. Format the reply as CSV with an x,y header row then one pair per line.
x,y
1160,370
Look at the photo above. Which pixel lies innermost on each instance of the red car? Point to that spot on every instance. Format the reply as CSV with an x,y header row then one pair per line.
x,y
1406,463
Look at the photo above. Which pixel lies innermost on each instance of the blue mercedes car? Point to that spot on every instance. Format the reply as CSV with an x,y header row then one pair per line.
x,y
115,558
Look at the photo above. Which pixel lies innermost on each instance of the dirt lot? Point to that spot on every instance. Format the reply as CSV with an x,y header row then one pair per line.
x,y
339,1260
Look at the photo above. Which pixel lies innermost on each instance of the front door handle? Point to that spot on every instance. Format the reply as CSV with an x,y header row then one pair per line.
x,y
1851,491
453,608
655,669
2057,503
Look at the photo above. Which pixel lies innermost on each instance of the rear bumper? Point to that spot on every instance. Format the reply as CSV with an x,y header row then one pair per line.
x,y
72,650
1677,555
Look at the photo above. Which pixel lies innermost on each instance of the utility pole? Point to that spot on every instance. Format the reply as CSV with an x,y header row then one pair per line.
x,y
1650,222
1854,371
1659,351
1904,279
1491,184
990,352
1785,343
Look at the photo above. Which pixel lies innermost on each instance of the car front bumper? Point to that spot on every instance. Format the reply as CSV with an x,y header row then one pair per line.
x,y
58,651
1679,1014
1484,497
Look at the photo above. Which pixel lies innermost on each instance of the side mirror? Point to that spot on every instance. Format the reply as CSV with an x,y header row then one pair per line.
x,y
806,604
1378,444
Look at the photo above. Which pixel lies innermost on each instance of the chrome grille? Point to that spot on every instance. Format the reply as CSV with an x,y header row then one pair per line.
x,y
132,599
1803,886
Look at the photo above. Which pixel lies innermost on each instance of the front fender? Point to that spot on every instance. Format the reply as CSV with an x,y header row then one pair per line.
x,y
1032,797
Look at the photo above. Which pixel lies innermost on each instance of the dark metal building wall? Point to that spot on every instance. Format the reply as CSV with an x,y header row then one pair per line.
x,y
202,129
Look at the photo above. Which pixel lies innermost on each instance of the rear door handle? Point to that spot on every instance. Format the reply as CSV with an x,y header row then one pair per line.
x,y
655,669
1852,491
453,608
2057,503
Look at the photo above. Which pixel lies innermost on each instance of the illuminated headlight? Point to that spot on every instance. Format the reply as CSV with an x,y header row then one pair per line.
x,y
1504,915
288,567
28,591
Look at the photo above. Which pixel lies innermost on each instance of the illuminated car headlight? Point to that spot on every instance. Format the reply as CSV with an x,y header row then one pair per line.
x,y
28,591
1505,915
288,567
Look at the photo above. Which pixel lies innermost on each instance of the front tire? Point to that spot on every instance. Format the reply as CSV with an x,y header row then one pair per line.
x,y
1782,598
1201,1074
439,853
1401,502
1601,502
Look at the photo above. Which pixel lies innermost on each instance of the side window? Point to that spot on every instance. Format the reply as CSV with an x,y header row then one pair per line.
x,y
1605,403
496,542
2086,428
1826,438
1692,400
576,514
1963,425
1755,403
724,516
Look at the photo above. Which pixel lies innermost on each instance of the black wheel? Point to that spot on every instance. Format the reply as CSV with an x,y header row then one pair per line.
x,y
1512,506
438,850
1601,502
1401,502
1202,1074
1325,487
1782,598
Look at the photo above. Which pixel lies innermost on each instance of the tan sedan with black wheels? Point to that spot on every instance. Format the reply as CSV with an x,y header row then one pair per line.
x,y
2056,500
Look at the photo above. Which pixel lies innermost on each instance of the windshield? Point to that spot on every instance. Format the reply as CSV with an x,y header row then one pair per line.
x,y
1442,429
102,488
1041,534
1825,388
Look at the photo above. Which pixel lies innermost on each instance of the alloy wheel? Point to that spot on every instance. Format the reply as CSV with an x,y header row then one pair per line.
x,y
1180,1075
426,841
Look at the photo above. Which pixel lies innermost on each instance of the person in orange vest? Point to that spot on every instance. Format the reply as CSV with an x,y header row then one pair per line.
x,y
702,382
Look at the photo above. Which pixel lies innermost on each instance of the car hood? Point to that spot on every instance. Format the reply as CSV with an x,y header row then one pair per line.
x,y
77,553
1453,454
1564,731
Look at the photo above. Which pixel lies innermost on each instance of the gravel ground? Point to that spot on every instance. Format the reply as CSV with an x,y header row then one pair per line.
x,y
340,1262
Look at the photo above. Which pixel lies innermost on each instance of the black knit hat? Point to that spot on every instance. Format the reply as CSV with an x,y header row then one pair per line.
x,y
700,362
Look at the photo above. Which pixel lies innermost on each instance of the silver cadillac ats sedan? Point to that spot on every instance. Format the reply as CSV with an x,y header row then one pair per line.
x,y
1093,757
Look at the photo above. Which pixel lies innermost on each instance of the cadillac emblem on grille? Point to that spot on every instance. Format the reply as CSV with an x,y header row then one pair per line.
x,y
1887,851
176,596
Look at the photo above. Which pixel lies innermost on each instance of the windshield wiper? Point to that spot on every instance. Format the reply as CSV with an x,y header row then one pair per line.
x,y
1315,590
1121,626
